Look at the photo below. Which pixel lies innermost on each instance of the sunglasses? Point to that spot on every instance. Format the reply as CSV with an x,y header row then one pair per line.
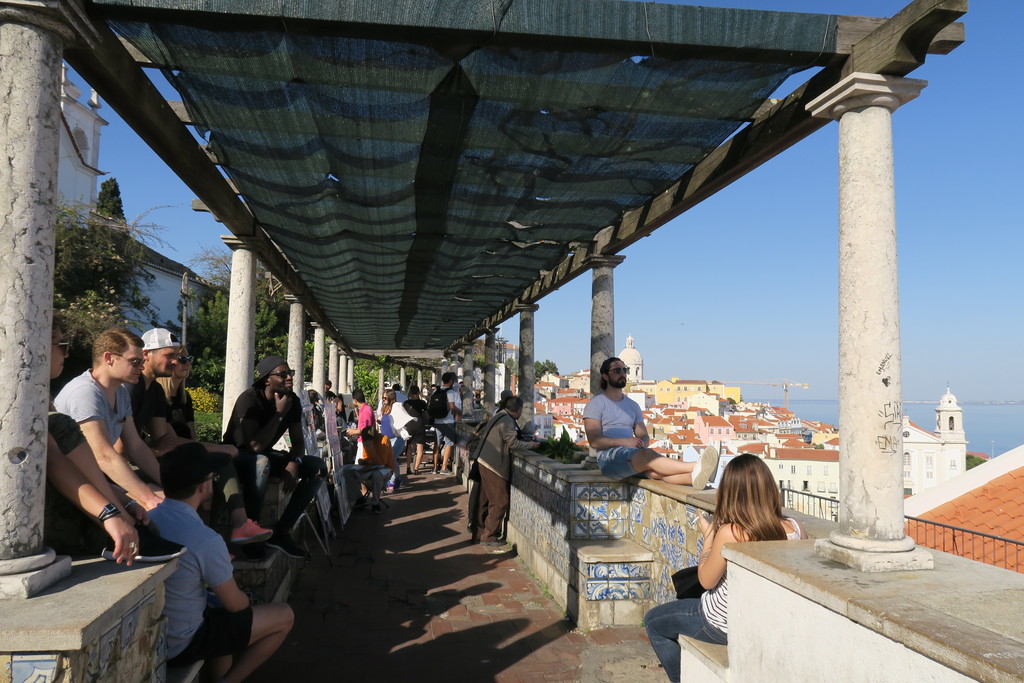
x,y
186,359
618,371
134,362
63,346
286,373
213,477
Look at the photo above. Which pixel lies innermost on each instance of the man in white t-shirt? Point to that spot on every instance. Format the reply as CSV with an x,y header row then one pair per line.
x,y
445,425
615,429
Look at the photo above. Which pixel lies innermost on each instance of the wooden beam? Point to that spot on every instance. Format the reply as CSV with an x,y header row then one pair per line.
x,y
892,48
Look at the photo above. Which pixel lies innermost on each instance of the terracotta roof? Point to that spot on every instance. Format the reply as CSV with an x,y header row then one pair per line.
x,y
995,508
815,454
715,421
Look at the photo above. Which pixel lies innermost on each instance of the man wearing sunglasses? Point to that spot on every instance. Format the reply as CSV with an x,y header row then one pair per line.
x,y
100,403
262,414
615,429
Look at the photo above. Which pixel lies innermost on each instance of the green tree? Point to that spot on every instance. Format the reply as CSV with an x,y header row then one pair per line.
x,y
99,278
973,461
108,203
544,367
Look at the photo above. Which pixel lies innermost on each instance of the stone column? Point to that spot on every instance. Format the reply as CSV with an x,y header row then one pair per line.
x,y
527,374
32,39
419,379
403,379
490,353
433,378
319,338
380,384
469,367
332,366
871,534
241,339
602,316
350,370
296,338
343,362
445,363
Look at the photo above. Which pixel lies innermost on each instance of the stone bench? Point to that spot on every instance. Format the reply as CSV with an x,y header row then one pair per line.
x,y
700,661
613,583
184,674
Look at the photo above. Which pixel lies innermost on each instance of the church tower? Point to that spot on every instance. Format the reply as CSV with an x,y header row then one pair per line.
x,y
949,428
633,360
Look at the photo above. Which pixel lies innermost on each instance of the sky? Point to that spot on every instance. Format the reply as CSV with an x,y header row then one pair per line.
x,y
744,287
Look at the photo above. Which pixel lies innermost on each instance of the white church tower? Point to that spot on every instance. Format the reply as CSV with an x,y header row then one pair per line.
x,y
930,458
633,360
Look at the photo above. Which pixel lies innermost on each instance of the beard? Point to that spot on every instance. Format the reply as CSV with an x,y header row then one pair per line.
x,y
618,381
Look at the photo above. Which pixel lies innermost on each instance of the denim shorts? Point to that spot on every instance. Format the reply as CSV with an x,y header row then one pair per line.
x,y
617,462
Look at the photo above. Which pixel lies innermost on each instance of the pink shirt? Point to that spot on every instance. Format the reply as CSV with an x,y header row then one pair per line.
x,y
365,418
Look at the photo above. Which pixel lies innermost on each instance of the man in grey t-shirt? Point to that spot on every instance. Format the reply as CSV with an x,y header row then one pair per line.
x,y
615,429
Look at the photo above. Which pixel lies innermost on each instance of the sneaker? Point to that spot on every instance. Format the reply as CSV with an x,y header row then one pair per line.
x,y
286,545
706,469
375,509
152,548
250,532
447,471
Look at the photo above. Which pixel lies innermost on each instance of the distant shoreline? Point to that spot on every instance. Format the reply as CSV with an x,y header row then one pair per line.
x,y
931,402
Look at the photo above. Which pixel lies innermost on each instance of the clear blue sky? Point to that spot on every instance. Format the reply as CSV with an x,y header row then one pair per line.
x,y
744,286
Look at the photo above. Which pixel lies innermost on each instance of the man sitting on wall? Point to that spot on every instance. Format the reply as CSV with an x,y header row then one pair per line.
x,y
235,637
262,414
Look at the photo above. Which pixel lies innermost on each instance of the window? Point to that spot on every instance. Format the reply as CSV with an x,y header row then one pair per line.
x,y
906,474
825,470
906,434
792,469
821,487
807,485
929,475
810,471
952,466
781,466
906,458
929,461
833,487
951,424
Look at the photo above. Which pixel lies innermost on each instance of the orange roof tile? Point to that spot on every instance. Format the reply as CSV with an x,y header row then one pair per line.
x,y
994,508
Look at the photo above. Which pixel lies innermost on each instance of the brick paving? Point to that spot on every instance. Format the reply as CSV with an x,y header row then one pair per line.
x,y
408,598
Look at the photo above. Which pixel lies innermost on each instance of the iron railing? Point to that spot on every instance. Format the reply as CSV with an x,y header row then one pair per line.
x,y
973,545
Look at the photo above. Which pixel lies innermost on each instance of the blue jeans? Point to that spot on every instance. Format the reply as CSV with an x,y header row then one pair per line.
x,y
665,623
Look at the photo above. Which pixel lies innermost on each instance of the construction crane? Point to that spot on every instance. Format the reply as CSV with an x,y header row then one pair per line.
x,y
785,384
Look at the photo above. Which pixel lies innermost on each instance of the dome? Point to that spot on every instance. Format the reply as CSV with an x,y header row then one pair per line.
x,y
948,400
629,355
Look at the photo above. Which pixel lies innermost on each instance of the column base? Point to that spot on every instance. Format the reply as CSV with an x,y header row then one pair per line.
x,y
866,561
36,581
590,462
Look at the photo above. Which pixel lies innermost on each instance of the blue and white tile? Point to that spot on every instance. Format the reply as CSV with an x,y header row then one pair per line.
x,y
616,528
618,589
33,668
581,530
599,528
129,623
596,590
107,643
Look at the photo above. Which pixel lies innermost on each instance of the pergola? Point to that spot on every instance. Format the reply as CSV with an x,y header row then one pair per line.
x,y
418,171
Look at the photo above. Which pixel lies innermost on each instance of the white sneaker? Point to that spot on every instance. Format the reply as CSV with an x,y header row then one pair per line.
x,y
706,468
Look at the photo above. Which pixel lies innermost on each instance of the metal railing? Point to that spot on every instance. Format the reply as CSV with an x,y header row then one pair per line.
x,y
973,545
808,503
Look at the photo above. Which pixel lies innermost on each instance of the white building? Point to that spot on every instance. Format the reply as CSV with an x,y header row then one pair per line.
x,y
931,458
632,360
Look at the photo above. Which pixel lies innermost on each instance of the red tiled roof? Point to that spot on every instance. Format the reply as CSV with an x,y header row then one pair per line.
x,y
816,454
995,508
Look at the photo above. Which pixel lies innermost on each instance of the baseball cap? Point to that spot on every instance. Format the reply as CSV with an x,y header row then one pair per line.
x,y
159,338
506,393
267,365
186,465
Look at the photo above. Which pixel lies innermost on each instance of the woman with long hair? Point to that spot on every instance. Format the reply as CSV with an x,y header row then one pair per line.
x,y
387,428
748,508
417,409
180,414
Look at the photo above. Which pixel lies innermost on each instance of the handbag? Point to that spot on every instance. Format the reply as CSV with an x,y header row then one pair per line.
x,y
687,584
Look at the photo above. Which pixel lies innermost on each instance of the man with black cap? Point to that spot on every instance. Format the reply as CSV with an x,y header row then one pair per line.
x,y
261,416
236,637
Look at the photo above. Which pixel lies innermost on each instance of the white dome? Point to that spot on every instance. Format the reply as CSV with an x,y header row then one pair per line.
x,y
629,355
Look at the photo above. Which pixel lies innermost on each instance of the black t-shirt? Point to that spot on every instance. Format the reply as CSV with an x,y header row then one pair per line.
x,y
253,411
147,402
417,407
180,413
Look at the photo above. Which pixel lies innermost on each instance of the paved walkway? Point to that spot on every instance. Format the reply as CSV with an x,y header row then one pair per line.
x,y
409,599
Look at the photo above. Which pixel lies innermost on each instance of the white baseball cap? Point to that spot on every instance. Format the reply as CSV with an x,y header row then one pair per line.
x,y
159,338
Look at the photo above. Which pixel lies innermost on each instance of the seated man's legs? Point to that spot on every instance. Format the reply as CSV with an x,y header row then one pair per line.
x,y
311,469
672,471
245,467
271,623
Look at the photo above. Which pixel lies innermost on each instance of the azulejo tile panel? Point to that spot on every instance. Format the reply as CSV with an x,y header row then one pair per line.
x,y
34,668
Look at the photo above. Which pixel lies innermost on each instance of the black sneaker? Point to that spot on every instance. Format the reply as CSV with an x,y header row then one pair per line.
x,y
286,545
152,548
375,509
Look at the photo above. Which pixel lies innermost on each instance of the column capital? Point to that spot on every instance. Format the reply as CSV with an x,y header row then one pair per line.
x,y
233,243
865,90
604,260
65,18
315,325
291,299
526,308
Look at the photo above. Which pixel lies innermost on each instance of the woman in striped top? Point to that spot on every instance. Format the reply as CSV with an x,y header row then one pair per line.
x,y
748,508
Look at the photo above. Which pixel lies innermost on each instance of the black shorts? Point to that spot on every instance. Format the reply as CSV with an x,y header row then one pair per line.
x,y
222,633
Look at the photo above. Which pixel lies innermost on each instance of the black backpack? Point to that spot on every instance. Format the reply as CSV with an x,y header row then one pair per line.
x,y
438,405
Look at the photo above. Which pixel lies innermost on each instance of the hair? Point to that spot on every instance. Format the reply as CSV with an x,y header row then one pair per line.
x,y
413,390
605,367
389,400
168,383
116,340
313,396
749,499
511,404
358,395
448,378
396,386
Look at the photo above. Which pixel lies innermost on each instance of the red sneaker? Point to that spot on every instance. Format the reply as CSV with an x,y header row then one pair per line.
x,y
250,532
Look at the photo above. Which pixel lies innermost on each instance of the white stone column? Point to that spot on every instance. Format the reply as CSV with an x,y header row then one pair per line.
x,y
296,339
350,373
527,374
380,384
871,534
445,363
343,362
433,379
241,339
32,40
602,316
490,353
319,347
332,366
419,379
403,378
469,369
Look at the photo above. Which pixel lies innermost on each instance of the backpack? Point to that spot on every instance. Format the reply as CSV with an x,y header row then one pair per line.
x,y
438,405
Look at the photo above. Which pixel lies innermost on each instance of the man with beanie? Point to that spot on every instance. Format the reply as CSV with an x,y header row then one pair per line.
x,y
261,416
236,637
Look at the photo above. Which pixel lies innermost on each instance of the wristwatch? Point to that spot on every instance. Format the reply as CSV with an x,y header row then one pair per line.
x,y
109,510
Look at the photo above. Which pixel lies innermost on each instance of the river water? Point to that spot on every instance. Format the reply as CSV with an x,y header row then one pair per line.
x,y
990,427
